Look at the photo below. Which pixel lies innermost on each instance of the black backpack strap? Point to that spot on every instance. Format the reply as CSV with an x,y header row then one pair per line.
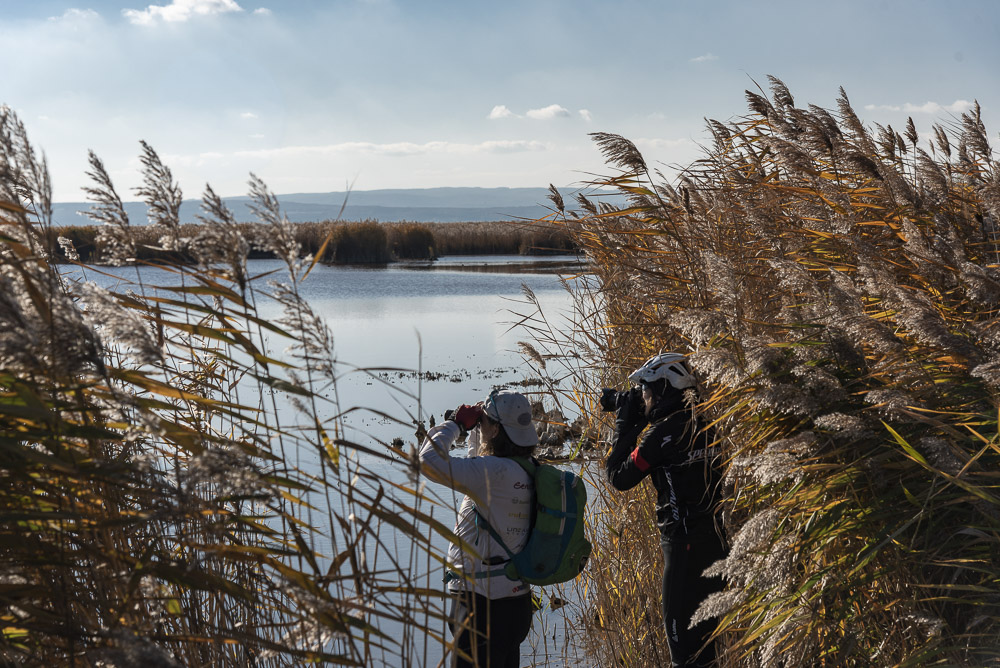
x,y
496,537
493,533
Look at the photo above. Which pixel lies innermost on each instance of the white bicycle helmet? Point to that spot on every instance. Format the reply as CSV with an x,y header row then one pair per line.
x,y
666,365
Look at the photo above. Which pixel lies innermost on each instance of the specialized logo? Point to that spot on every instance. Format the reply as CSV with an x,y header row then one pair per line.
x,y
704,453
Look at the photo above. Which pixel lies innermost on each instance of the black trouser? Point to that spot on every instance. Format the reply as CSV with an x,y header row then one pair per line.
x,y
490,630
685,555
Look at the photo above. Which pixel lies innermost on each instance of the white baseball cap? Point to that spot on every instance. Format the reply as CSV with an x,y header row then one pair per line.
x,y
513,411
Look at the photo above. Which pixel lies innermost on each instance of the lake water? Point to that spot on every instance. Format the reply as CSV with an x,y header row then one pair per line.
x,y
456,326
454,323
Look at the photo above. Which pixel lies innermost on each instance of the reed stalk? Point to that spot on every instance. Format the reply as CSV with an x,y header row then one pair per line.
x,y
838,288
174,489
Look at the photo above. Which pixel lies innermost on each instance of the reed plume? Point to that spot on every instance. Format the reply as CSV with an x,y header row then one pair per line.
x,y
156,506
836,287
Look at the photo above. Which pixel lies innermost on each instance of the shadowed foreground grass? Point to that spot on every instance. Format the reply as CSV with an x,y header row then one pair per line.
x,y
156,506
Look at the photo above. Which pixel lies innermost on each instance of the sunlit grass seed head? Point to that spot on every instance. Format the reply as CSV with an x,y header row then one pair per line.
x,y
837,285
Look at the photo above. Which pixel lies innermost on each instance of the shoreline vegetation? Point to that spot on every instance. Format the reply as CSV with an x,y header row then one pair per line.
x,y
340,242
178,483
837,285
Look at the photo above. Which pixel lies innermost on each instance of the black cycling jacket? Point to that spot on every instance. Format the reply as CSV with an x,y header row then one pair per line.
x,y
679,456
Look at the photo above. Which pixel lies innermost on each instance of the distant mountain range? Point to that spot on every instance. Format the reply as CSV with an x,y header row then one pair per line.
x,y
426,205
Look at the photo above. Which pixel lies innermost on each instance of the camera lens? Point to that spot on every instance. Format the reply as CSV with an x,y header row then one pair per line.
x,y
609,399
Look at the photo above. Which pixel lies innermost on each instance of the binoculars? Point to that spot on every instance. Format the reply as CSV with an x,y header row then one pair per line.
x,y
465,415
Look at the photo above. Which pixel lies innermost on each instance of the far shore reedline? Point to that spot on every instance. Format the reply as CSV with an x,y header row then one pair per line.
x,y
341,242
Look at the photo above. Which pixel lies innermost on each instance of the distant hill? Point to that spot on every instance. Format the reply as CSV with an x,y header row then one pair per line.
x,y
427,205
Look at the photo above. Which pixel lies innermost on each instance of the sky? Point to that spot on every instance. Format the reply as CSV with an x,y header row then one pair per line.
x,y
319,95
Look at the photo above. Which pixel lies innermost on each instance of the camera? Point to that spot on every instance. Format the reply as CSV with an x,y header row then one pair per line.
x,y
612,399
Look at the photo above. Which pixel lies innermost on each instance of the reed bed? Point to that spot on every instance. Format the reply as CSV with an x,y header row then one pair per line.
x,y
502,238
838,287
344,242
156,506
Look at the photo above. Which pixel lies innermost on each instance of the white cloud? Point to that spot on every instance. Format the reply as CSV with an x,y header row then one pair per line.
x,y
500,111
585,115
248,115
517,146
544,114
192,160
257,136
74,15
956,107
262,11
707,58
179,11
647,143
398,149
548,113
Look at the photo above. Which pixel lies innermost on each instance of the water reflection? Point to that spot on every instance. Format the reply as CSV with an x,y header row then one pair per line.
x,y
503,264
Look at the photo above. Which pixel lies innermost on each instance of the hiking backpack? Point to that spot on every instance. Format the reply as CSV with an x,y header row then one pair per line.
x,y
557,549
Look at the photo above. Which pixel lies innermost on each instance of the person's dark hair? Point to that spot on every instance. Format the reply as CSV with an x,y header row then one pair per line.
x,y
666,393
657,388
501,445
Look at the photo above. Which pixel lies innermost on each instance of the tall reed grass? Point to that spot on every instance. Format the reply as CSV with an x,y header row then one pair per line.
x,y
502,238
838,286
173,491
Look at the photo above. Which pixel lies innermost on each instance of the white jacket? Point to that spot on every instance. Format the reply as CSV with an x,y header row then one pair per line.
x,y
501,490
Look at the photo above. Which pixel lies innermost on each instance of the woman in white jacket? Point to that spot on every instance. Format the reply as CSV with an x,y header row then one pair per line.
x,y
491,614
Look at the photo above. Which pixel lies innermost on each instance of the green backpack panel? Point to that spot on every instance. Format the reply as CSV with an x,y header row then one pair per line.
x,y
557,549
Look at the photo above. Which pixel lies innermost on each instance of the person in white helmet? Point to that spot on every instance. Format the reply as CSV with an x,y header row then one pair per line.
x,y
678,455
491,614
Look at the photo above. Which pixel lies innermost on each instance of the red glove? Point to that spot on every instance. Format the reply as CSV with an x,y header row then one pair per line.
x,y
467,416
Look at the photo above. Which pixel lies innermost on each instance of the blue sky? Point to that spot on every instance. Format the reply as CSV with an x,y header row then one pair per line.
x,y
313,95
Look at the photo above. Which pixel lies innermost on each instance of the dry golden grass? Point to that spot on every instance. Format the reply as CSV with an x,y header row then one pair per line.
x,y
177,483
839,289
